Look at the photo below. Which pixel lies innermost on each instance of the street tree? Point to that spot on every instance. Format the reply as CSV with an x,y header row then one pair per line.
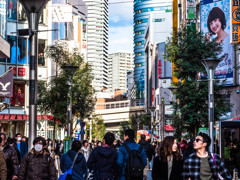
x,y
52,95
98,127
186,49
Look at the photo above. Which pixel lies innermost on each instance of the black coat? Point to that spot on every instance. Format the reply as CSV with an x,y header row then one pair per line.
x,y
103,161
160,169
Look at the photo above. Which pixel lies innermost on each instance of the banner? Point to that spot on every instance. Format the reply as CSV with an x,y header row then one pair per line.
x,y
6,84
215,23
61,13
235,22
191,9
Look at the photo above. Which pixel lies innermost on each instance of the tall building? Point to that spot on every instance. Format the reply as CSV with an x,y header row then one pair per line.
x,y
97,42
120,63
142,10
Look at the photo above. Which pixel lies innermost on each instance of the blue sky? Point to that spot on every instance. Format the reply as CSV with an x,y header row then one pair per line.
x,y
120,26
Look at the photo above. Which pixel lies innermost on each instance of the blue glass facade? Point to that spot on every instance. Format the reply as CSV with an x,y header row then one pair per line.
x,y
142,9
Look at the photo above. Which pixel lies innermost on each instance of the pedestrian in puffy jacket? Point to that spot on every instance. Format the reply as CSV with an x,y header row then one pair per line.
x,y
37,164
123,154
103,160
79,171
11,159
168,165
3,166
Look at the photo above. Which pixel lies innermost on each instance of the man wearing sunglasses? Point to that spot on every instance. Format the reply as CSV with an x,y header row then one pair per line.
x,y
200,165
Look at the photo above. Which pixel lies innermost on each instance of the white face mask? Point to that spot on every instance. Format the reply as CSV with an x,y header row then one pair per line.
x,y
19,138
38,147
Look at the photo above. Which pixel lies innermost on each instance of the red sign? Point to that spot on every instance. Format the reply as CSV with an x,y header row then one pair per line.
x,y
153,97
21,71
169,128
159,69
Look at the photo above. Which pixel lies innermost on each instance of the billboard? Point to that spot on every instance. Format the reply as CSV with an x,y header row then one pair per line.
x,y
215,23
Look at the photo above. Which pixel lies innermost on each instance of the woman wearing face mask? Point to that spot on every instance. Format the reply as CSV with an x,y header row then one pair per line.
x,y
168,164
37,164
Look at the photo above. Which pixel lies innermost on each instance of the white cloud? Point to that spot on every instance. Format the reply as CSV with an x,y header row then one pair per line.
x,y
115,19
120,39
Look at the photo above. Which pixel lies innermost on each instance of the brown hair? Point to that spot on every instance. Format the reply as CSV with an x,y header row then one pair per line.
x,y
166,149
216,13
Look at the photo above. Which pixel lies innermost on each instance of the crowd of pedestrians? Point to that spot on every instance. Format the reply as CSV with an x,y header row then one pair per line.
x,y
110,159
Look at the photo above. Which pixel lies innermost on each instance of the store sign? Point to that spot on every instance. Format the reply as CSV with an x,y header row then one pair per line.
x,y
6,84
235,22
191,9
19,71
203,130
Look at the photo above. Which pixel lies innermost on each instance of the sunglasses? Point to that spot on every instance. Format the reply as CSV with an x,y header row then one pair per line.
x,y
197,140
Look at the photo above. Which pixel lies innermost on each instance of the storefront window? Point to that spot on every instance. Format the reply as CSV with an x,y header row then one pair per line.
x,y
18,50
18,98
12,9
41,47
2,17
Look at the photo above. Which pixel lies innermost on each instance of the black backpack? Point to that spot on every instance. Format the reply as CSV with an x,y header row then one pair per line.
x,y
134,168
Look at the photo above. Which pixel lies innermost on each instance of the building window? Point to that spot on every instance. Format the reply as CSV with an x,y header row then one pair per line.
x,y
138,64
12,9
139,22
139,43
139,32
41,47
18,98
139,54
138,11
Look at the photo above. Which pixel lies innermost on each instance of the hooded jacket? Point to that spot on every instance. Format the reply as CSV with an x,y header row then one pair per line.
x,y
147,147
37,166
79,168
103,160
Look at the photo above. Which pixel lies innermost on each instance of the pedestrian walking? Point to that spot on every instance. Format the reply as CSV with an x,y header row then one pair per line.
x,y
3,166
132,158
21,145
149,152
203,165
11,158
103,160
168,164
37,164
86,150
79,171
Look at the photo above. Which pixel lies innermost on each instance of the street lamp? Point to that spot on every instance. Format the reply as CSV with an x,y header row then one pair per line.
x,y
33,11
70,70
210,65
152,110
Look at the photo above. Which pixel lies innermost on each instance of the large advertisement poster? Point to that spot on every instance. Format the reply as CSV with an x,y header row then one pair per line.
x,y
215,23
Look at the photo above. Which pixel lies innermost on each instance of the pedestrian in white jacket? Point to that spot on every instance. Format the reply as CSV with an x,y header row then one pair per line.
x,y
86,149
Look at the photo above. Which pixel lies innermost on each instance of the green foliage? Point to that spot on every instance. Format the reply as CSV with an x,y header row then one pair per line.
x,y
123,126
186,50
98,128
52,96
142,119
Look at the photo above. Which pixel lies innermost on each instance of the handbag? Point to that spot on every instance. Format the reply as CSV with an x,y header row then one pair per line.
x,y
219,175
68,174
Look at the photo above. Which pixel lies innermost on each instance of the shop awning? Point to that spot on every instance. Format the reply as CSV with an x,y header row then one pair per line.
x,y
231,123
20,117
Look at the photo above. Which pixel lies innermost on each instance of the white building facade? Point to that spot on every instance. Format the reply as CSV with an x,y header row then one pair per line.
x,y
119,64
97,42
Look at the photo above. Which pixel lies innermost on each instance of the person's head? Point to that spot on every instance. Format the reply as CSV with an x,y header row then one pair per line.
x,y
129,134
169,148
76,145
143,137
99,143
39,143
10,141
202,141
85,143
24,138
216,20
4,139
18,137
109,138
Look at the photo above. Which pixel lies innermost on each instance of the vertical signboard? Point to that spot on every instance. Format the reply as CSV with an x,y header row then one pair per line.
x,y
215,24
235,21
191,9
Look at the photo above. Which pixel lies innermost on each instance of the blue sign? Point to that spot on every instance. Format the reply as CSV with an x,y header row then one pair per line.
x,y
82,131
77,136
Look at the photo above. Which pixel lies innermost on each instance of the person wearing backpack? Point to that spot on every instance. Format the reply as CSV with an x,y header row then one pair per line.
x,y
103,160
168,164
37,164
132,158
79,170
